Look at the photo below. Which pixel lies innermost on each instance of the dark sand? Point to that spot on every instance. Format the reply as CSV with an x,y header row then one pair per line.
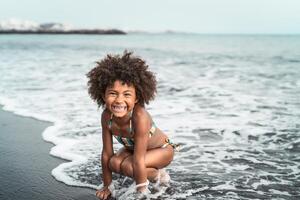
x,y
25,163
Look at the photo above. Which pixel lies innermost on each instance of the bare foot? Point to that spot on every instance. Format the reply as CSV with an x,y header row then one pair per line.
x,y
163,178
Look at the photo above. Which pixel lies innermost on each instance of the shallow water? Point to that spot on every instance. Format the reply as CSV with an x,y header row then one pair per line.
x,y
232,102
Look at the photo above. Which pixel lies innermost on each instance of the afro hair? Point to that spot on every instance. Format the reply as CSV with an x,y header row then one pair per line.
x,y
126,68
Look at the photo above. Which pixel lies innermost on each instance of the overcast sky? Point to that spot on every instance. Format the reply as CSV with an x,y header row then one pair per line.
x,y
200,16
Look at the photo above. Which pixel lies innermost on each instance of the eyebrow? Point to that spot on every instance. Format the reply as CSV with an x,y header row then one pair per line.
x,y
112,90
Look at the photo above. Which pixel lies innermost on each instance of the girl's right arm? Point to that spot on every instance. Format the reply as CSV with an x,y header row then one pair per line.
x,y
107,153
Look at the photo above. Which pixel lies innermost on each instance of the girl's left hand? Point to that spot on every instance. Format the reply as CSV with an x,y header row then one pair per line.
x,y
103,194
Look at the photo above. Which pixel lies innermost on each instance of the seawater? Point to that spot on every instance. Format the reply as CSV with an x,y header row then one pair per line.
x,y
231,101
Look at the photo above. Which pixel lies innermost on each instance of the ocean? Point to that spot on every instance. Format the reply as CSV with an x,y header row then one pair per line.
x,y
231,101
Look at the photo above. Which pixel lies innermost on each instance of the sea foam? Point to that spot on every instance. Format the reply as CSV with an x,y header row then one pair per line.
x,y
235,113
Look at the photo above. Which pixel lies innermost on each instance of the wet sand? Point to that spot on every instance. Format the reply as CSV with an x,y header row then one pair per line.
x,y
25,163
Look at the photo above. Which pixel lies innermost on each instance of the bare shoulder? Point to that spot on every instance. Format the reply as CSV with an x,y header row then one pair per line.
x,y
140,113
141,118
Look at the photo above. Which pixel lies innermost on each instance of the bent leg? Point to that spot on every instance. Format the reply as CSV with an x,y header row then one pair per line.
x,y
116,160
154,159
159,158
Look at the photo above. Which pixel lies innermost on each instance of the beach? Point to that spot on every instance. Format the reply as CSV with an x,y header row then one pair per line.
x,y
25,163
234,111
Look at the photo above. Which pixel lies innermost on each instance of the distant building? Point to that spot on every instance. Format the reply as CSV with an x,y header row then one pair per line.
x,y
54,26
15,26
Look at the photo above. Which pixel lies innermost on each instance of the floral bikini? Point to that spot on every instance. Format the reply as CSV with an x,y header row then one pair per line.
x,y
129,141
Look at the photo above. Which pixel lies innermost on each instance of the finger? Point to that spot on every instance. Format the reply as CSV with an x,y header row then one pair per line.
x,y
106,195
99,194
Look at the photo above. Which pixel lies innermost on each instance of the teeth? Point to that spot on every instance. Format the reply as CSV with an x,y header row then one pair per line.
x,y
119,108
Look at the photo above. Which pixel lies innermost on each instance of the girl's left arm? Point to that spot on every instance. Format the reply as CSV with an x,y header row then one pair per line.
x,y
141,128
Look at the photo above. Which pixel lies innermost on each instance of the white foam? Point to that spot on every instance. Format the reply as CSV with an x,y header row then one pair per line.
x,y
226,186
218,102
188,193
261,182
279,192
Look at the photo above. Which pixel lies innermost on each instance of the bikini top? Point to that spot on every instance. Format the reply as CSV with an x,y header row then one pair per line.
x,y
129,141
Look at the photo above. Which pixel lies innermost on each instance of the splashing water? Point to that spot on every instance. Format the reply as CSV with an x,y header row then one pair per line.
x,y
232,102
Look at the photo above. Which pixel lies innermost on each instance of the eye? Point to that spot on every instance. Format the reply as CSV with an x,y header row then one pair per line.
x,y
112,94
127,95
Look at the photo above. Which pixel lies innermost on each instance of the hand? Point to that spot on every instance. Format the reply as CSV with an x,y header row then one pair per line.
x,y
103,194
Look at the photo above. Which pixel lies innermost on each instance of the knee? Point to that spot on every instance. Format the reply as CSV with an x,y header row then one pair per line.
x,y
127,168
171,155
114,164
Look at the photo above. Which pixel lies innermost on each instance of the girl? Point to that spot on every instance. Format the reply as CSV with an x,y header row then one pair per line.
x,y
122,85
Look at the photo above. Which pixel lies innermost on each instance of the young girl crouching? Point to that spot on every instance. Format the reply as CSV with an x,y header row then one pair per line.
x,y
122,85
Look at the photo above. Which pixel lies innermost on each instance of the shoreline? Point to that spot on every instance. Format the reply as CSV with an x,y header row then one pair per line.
x,y
68,32
26,165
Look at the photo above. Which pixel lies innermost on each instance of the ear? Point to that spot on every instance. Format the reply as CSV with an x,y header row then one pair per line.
x,y
136,101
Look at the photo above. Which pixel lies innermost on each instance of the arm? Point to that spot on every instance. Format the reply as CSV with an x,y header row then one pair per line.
x,y
141,127
107,152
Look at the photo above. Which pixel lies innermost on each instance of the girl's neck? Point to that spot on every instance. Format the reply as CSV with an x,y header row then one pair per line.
x,y
122,120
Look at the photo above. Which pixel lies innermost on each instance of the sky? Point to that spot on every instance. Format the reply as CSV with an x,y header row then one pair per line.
x,y
196,16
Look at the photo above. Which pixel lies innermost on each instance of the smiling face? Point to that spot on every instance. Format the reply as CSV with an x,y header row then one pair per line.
x,y
120,98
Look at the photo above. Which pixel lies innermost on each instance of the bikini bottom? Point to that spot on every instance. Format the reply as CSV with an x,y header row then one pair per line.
x,y
168,142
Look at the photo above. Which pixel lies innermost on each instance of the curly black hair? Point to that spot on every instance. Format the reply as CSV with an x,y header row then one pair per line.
x,y
127,68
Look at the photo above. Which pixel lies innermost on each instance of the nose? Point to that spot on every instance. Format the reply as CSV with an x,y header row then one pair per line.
x,y
119,98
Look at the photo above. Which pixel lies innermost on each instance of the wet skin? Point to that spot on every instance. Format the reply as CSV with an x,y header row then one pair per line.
x,y
147,156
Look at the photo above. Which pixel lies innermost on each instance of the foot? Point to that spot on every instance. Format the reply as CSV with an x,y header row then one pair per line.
x,y
163,177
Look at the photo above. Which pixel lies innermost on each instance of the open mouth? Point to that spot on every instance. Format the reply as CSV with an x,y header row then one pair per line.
x,y
119,108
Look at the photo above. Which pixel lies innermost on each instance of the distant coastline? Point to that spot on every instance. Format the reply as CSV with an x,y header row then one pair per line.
x,y
15,26
79,31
